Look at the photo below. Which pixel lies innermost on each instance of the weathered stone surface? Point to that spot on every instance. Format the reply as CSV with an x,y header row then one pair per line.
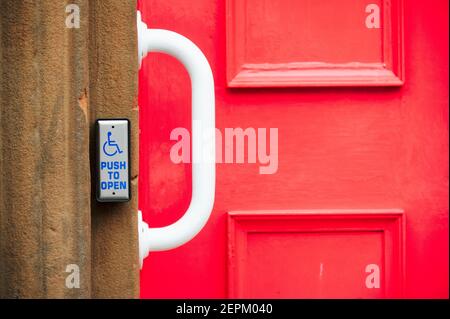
x,y
113,87
54,83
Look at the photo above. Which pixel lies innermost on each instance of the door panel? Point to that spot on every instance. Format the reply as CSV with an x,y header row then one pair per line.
x,y
316,254
273,43
376,149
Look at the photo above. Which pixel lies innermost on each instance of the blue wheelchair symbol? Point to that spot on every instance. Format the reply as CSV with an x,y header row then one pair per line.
x,y
111,148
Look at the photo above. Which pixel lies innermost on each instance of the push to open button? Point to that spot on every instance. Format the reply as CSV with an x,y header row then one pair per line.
x,y
113,165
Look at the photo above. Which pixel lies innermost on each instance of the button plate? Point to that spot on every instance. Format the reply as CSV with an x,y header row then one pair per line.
x,y
113,165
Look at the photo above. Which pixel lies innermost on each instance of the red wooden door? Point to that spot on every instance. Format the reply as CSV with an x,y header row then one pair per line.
x,y
355,204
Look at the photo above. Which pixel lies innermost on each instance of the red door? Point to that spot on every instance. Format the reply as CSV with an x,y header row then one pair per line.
x,y
349,195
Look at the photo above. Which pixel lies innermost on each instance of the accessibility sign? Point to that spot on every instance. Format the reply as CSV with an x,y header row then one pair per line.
x,y
113,160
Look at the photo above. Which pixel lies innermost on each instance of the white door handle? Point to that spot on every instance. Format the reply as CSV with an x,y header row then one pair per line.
x,y
203,115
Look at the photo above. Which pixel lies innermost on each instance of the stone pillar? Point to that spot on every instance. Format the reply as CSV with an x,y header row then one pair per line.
x,y
113,86
54,83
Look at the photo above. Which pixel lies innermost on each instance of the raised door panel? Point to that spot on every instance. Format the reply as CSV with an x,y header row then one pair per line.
x,y
273,43
316,254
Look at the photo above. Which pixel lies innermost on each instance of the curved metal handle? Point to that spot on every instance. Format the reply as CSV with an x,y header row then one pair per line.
x,y
203,116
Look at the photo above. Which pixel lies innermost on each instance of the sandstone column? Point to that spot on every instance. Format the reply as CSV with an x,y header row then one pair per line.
x,y
54,83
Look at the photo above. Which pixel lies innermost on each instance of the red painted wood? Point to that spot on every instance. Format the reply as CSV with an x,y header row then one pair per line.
x,y
315,254
324,48
339,148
